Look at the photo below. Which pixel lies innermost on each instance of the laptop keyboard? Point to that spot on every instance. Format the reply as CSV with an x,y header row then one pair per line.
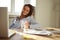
x,y
11,33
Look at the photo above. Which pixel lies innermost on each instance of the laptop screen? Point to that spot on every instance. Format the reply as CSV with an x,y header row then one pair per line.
x,y
4,22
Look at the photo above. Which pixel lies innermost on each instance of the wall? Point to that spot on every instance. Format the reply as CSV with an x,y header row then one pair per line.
x,y
57,11
45,15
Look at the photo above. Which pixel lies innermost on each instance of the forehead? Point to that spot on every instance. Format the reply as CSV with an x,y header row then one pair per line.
x,y
26,7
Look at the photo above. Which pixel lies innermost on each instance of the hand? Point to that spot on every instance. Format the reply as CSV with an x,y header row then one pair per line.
x,y
26,25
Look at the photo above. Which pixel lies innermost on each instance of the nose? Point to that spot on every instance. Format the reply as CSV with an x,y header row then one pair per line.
x,y
25,11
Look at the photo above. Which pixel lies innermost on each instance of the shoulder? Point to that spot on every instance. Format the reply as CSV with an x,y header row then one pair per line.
x,y
29,18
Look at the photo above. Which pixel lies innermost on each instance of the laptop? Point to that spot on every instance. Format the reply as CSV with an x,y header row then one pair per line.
x,y
5,32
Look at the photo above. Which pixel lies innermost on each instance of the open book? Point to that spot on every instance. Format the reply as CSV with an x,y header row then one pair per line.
x,y
42,32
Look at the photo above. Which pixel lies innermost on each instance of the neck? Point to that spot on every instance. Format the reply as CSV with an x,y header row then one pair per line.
x,y
22,16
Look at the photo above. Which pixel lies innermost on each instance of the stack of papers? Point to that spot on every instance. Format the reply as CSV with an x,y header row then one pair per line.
x,y
42,32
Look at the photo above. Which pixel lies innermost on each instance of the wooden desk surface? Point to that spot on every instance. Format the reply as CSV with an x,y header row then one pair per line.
x,y
22,36
36,37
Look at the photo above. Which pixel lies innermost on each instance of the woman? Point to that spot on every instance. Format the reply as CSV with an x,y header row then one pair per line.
x,y
27,11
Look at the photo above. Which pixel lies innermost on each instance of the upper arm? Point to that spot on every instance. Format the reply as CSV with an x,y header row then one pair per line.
x,y
12,23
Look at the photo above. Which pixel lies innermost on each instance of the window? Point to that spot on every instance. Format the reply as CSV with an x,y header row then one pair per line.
x,y
15,6
6,3
33,2
19,5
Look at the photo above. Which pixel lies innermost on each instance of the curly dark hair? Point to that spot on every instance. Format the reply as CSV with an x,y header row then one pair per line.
x,y
31,9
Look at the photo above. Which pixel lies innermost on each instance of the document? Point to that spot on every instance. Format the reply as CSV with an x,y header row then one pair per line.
x,y
42,32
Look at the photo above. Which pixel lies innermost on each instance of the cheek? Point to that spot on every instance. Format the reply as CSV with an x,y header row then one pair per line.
x,y
25,12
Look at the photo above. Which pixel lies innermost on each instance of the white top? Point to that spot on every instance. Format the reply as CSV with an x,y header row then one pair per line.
x,y
16,23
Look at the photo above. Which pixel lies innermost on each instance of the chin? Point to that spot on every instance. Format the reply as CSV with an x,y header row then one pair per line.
x,y
24,14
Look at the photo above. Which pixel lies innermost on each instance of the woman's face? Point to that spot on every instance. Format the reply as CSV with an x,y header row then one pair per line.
x,y
26,10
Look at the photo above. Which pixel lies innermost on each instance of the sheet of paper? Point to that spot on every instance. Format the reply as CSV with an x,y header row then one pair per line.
x,y
42,32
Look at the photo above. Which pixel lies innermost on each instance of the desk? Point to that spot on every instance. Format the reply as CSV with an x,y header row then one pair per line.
x,y
22,36
36,37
